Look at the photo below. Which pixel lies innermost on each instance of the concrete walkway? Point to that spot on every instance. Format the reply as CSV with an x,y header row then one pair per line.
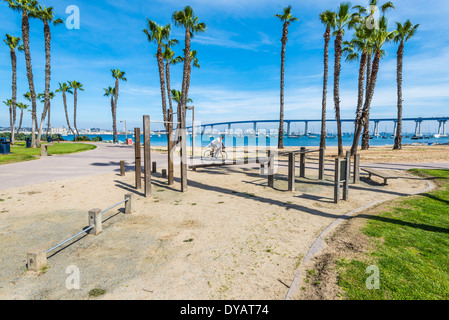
x,y
105,159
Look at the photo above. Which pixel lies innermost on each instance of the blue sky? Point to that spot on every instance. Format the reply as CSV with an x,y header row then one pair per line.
x,y
239,57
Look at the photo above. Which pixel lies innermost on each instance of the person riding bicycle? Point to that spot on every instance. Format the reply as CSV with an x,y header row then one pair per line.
x,y
217,144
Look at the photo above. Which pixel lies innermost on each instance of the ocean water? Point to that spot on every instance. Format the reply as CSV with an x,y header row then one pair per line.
x,y
303,141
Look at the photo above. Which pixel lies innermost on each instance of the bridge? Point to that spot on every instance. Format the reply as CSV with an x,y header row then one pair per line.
x,y
418,128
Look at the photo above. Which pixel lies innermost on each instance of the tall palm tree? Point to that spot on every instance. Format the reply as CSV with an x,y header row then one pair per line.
x,y
47,17
344,19
381,36
117,75
14,44
8,103
328,19
27,8
169,57
75,85
159,34
176,96
110,92
64,88
404,32
287,18
186,18
194,62
22,107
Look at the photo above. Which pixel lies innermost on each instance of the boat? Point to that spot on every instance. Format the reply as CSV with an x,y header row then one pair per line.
x,y
416,137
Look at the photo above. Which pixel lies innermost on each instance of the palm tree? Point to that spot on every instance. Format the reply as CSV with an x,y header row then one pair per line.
x,y
66,88
194,62
8,103
328,19
359,48
381,36
186,18
404,32
176,96
287,18
75,85
46,16
110,92
159,34
117,75
22,107
344,19
27,8
13,44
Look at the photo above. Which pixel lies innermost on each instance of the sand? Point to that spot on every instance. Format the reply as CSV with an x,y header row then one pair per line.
x,y
228,237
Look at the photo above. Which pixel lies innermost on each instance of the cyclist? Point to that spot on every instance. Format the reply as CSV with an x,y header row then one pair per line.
x,y
217,144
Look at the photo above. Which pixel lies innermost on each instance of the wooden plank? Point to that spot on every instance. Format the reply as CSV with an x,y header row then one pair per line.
x,y
147,155
138,158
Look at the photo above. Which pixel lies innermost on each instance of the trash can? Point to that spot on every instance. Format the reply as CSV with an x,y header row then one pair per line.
x,y
28,142
5,146
49,139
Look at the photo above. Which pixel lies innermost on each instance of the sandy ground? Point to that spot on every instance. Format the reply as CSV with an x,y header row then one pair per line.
x,y
228,237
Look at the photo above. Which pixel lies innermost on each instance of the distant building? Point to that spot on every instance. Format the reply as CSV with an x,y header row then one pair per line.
x,y
62,131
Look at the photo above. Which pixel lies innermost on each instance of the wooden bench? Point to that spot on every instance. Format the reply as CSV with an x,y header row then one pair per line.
x,y
379,173
44,149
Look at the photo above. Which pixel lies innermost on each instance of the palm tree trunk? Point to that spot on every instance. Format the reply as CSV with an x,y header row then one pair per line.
x,y
114,112
26,47
20,123
361,95
327,37
66,113
366,135
75,97
364,120
14,93
167,75
160,63
337,69
47,36
184,97
398,138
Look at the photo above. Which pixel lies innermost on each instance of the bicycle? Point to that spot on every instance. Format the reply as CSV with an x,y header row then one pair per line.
x,y
220,154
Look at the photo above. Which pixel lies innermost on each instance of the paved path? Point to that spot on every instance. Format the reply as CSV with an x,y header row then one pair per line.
x,y
105,159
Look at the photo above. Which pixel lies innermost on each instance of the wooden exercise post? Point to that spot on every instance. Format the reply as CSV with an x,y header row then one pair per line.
x,y
147,155
356,168
342,175
245,150
291,171
138,158
302,163
183,150
321,165
234,150
122,168
170,147
270,169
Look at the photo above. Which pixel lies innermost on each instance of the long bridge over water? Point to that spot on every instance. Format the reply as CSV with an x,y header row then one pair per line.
x,y
418,128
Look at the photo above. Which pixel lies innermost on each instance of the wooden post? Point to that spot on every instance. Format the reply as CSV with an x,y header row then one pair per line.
x,y
138,157
147,155
234,150
302,163
321,165
257,149
36,259
94,217
164,173
122,168
356,168
270,169
337,181
347,175
183,150
129,204
291,171
154,167
170,147
245,148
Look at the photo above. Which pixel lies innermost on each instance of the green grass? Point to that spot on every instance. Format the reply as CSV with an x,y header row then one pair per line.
x,y
411,249
20,153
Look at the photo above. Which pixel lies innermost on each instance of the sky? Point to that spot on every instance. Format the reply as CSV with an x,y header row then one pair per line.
x,y
239,55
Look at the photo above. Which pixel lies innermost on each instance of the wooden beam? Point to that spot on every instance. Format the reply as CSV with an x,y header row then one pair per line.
x,y
138,158
147,155
170,147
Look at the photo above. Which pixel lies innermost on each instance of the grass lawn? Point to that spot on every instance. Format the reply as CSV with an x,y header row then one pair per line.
x,y
411,249
20,153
